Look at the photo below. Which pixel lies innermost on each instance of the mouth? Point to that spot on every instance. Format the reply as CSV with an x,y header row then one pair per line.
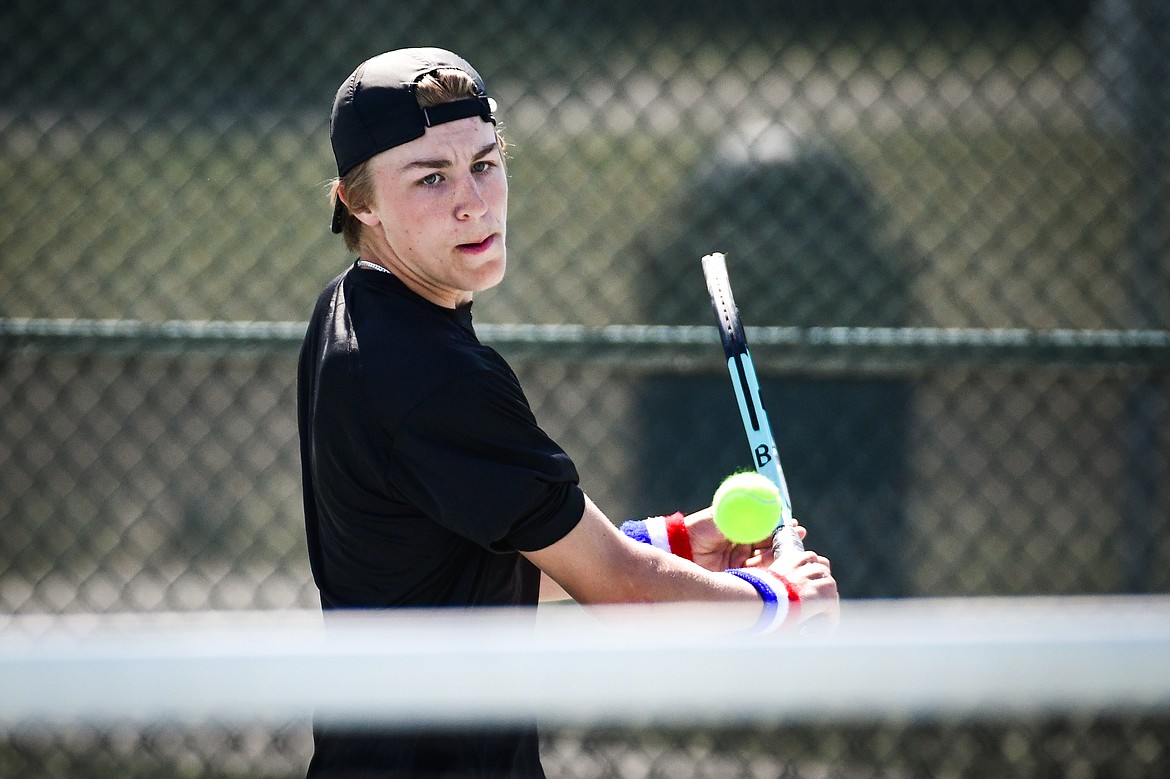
x,y
478,247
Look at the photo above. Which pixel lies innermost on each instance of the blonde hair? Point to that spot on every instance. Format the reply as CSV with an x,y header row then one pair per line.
x,y
445,85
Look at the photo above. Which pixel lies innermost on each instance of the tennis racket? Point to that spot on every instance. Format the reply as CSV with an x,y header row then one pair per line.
x,y
747,394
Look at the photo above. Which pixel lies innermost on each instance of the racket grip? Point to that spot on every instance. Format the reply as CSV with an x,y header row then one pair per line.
x,y
785,540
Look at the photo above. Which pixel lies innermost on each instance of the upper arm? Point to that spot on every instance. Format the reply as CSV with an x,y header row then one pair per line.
x,y
472,458
550,590
591,562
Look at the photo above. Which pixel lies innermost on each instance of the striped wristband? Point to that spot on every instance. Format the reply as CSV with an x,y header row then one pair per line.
x,y
793,598
666,533
777,612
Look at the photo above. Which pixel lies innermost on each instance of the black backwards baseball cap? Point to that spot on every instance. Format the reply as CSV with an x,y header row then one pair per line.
x,y
375,108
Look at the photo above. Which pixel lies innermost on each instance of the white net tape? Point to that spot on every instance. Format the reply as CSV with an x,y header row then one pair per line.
x,y
571,666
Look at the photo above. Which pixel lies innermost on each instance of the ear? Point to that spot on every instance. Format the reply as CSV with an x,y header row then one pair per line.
x,y
363,215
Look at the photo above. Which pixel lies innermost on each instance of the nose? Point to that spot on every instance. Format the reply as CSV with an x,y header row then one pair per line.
x,y
471,203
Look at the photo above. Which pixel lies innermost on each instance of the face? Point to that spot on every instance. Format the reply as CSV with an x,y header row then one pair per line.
x,y
439,211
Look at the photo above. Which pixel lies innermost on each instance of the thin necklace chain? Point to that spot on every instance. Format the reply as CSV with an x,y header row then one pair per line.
x,y
371,266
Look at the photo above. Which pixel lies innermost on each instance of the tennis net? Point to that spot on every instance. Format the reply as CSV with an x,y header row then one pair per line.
x,y
965,687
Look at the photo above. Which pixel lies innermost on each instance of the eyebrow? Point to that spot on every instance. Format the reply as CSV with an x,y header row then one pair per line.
x,y
437,164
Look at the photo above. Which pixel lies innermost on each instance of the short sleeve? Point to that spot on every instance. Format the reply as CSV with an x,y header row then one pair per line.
x,y
472,457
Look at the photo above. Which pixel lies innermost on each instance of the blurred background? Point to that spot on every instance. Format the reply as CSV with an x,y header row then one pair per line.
x,y
947,222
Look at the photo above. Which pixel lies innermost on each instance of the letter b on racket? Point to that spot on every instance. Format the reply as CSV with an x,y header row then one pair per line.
x,y
763,455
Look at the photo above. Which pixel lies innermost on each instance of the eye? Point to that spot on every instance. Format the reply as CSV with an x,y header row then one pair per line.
x,y
431,179
482,166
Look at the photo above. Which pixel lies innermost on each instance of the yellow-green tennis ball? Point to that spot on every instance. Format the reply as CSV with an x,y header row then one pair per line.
x,y
747,507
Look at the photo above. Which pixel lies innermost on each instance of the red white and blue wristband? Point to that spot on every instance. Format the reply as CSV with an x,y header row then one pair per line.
x,y
670,534
777,612
666,533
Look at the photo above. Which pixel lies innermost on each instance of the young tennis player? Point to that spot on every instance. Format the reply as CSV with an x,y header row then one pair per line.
x,y
427,480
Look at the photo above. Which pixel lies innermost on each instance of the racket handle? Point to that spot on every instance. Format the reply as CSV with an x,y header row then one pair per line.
x,y
786,540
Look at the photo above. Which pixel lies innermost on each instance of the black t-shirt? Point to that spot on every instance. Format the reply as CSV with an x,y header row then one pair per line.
x,y
424,475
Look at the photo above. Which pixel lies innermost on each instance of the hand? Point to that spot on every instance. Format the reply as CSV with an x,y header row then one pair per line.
x,y
760,554
811,575
710,547
713,551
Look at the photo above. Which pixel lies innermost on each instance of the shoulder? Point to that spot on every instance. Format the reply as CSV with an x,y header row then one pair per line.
x,y
329,293
417,342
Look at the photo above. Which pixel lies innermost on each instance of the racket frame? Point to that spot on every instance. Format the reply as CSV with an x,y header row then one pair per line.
x,y
746,385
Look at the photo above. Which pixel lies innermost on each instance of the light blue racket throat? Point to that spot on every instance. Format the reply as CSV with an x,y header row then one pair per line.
x,y
763,446
755,424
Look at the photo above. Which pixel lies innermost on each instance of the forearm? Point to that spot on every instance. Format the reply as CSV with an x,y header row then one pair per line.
x,y
596,564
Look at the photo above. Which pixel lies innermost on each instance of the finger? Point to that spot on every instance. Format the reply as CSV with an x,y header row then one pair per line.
x,y
741,556
805,557
814,569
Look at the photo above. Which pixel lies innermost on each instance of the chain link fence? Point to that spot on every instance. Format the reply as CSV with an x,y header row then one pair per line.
x,y
946,224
